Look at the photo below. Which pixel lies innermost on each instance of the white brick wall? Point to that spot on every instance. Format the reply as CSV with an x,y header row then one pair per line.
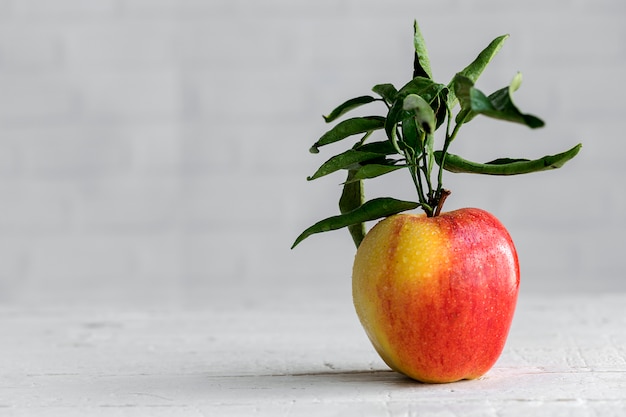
x,y
156,151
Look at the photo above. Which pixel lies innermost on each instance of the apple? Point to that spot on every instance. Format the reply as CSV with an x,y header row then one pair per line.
x,y
436,295
435,292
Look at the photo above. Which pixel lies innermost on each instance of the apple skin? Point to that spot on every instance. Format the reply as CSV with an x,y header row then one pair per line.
x,y
436,295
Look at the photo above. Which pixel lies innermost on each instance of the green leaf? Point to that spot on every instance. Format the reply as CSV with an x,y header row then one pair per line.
x,y
502,100
441,109
373,170
426,89
395,116
387,91
410,135
422,112
434,93
462,86
506,166
423,87
498,105
348,128
344,160
371,210
352,197
382,147
476,67
421,64
345,107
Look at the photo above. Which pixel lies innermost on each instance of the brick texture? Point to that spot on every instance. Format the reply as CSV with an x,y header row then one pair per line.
x,y
156,151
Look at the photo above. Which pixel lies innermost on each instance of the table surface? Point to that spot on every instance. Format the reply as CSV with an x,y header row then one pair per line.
x,y
565,355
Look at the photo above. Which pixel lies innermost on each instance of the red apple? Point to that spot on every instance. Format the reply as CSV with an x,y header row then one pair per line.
x,y
436,295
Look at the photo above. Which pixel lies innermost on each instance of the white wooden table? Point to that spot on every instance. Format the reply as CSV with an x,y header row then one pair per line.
x,y
566,356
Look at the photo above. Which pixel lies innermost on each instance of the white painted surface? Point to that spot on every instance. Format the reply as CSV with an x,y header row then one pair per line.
x,y
566,356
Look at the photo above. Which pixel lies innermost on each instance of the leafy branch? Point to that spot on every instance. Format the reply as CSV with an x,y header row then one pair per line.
x,y
415,112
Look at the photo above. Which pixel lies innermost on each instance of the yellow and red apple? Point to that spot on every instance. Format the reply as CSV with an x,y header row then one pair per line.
x,y
435,292
436,295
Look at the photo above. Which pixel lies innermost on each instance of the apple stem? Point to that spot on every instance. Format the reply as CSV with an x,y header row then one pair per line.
x,y
442,198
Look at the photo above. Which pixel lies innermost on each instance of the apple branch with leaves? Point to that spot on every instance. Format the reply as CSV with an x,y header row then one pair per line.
x,y
415,113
